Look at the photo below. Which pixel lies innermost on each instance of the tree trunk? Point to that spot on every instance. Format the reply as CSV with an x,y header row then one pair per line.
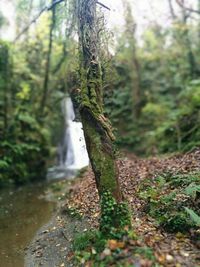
x,y
48,63
190,56
4,86
130,28
97,129
171,8
137,87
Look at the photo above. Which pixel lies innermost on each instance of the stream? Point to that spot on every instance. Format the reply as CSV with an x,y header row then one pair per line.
x,y
22,212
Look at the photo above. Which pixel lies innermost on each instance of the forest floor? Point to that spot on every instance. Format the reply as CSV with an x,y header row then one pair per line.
x,y
156,190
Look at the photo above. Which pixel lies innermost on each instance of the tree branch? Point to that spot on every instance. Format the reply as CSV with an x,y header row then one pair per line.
x,y
171,9
180,3
46,8
103,5
54,4
28,26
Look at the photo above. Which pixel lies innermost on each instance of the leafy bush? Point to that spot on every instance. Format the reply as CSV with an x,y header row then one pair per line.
x,y
23,151
195,218
170,198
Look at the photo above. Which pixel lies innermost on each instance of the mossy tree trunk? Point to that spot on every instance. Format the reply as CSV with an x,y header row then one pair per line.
x,y
97,128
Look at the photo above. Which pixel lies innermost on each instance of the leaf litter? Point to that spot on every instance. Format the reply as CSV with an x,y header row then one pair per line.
x,y
169,249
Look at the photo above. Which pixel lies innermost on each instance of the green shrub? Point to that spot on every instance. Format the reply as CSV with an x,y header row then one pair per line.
x,y
166,198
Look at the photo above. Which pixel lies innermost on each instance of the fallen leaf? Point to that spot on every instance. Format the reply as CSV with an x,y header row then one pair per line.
x,y
114,244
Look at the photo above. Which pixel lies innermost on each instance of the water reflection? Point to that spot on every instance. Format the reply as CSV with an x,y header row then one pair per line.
x,y
22,213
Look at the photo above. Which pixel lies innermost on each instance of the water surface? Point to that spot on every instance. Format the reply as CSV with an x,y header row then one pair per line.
x,y
22,212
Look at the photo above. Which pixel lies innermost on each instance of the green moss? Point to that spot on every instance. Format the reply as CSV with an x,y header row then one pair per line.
x,y
102,161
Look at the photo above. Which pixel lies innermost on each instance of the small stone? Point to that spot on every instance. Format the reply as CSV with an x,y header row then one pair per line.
x,y
45,231
38,254
184,254
169,258
94,251
107,252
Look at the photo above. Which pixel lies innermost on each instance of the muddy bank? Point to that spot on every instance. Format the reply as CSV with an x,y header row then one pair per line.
x,y
53,242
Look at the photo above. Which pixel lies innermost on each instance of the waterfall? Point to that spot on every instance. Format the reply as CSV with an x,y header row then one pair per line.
x,y
72,153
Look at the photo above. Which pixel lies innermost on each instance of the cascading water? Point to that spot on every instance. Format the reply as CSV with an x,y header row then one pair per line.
x,y
72,153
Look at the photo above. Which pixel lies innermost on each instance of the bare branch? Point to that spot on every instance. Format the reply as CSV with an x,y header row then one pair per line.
x,y
54,4
103,5
172,9
46,8
28,26
180,3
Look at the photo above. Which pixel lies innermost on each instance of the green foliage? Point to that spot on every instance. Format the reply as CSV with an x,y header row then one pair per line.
x,y
92,247
27,136
114,224
192,190
72,212
145,252
195,218
166,198
115,217
93,239
169,97
181,180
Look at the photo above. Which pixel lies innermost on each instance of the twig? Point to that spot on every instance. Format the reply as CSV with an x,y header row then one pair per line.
x,y
46,8
103,5
187,8
28,26
64,235
54,4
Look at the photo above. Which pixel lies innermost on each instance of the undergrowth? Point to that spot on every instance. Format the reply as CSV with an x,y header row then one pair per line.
x,y
115,243
92,248
115,217
173,201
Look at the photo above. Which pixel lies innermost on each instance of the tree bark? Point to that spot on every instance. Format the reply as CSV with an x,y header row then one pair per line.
x,y
97,128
